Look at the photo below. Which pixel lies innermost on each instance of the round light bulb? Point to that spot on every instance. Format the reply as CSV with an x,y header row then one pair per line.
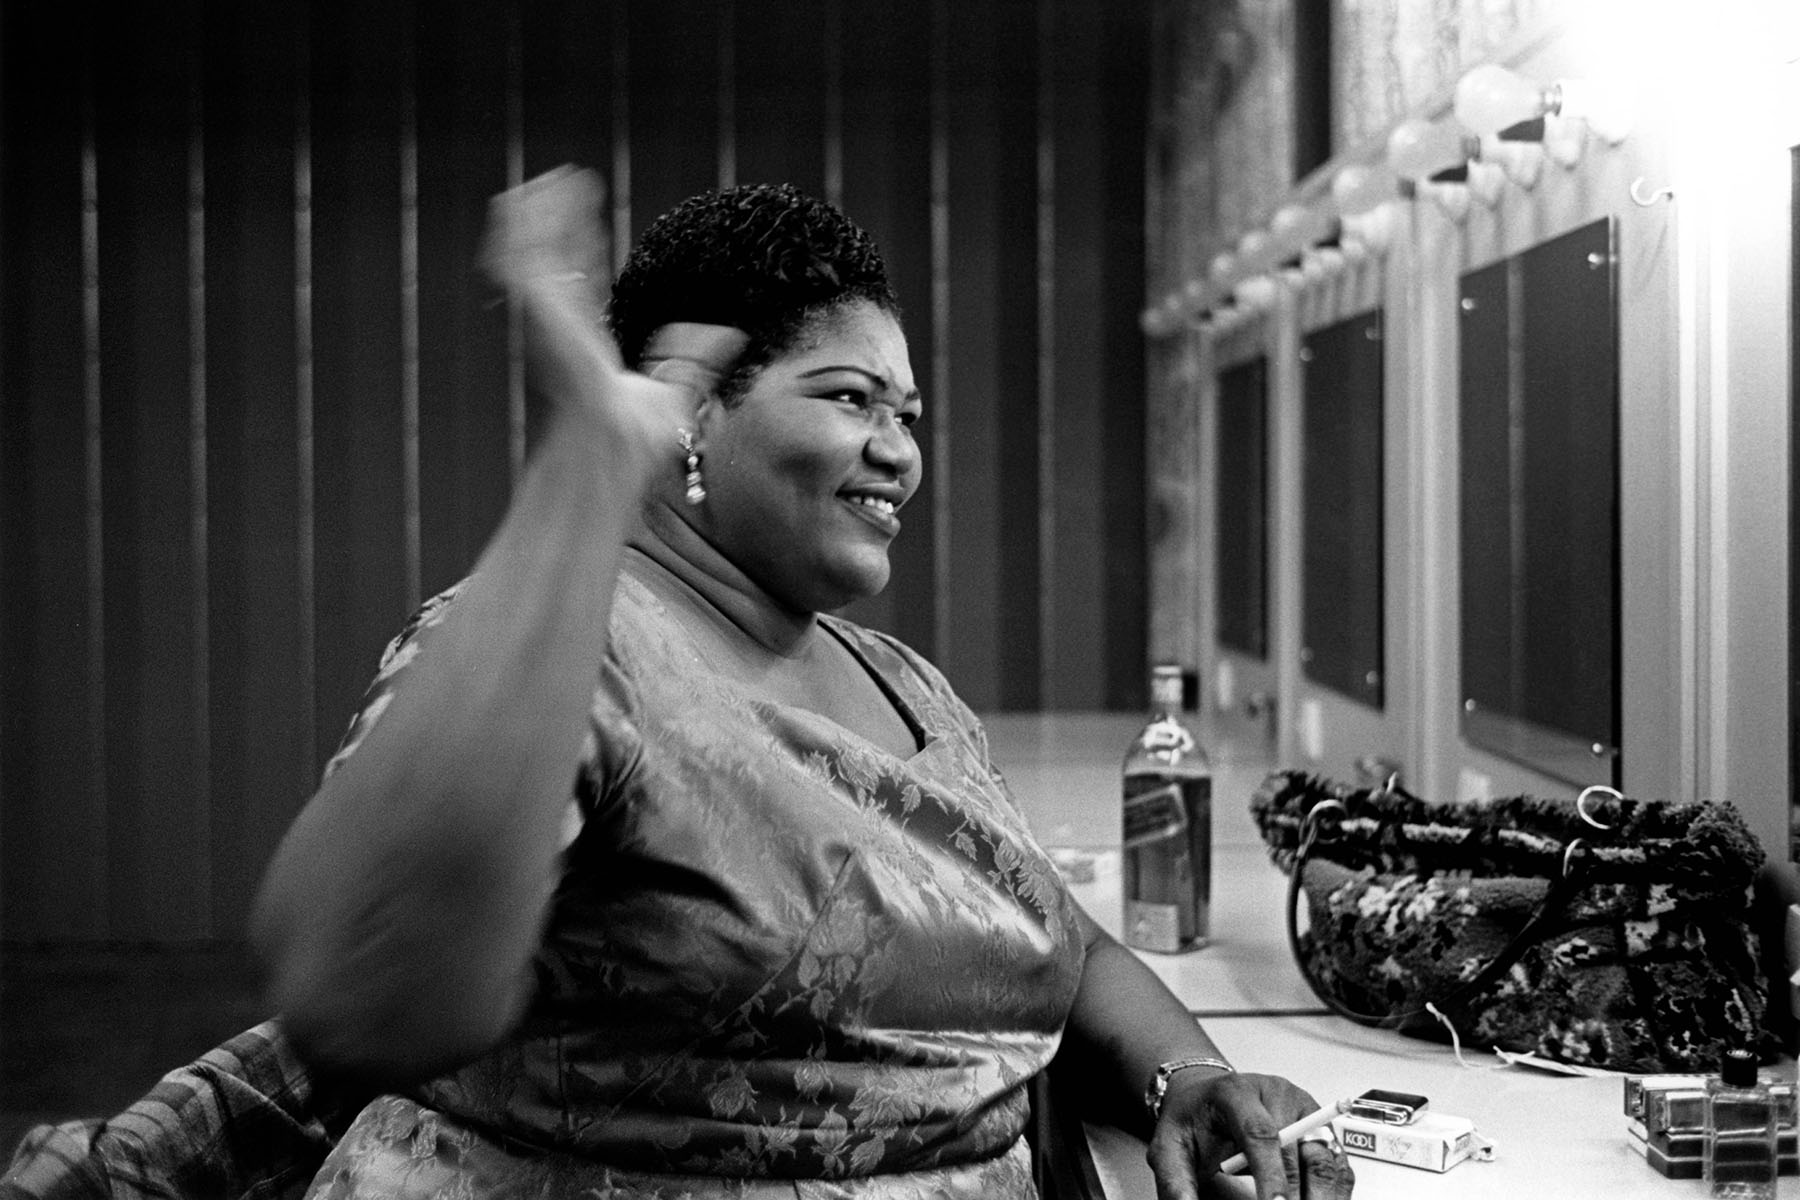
x,y
1292,225
1491,98
1322,262
1417,149
1357,189
1345,185
1221,270
1257,293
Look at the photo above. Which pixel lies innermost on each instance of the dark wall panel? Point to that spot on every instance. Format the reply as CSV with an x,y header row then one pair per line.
x,y
1242,506
1540,508
53,772
573,71
156,794
978,77
1120,234
1078,385
1013,253
260,711
1485,527
1096,407
359,532
674,71
465,417
1569,476
568,59
778,80
1343,560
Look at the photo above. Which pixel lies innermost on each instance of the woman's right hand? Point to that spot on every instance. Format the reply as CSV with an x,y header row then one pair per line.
x,y
546,247
1204,1115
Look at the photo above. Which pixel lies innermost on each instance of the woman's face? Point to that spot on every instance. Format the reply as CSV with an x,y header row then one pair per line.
x,y
804,473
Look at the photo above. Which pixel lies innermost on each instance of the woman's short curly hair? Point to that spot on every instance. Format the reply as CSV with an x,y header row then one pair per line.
x,y
765,258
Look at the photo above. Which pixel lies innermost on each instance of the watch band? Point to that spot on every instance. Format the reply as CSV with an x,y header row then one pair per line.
x,y
1159,1084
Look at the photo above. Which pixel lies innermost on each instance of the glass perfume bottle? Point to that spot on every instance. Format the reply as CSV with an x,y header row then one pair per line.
x,y
1741,1124
1166,859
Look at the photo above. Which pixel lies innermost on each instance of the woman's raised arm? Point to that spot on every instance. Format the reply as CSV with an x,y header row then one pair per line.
x,y
401,911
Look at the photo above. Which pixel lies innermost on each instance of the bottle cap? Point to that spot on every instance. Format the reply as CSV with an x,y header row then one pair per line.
x,y
1165,685
1737,1068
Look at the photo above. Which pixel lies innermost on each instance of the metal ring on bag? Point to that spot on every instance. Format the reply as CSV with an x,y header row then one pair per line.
x,y
1309,829
1581,803
1568,853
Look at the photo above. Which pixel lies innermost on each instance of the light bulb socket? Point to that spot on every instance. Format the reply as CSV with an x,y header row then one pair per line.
x,y
1553,99
1522,161
1487,181
1370,234
1565,139
1561,137
1452,199
1531,130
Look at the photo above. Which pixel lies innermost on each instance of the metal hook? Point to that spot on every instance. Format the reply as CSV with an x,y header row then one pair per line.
x,y
1309,824
1645,200
1568,854
1581,803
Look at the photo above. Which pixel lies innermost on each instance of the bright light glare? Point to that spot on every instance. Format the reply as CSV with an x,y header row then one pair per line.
x,y
1708,68
1687,51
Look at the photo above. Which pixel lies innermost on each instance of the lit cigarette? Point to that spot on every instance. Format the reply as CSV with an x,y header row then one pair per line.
x,y
1291,1133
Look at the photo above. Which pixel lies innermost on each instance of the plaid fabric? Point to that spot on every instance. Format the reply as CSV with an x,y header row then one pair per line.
x,y
244,1120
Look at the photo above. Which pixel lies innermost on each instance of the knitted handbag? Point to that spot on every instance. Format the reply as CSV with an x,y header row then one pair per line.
x,y
1612,933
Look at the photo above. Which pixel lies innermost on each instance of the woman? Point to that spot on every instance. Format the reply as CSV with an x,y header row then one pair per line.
x,y
753,914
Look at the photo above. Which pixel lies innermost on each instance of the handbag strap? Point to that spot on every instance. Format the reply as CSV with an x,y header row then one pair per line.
x,y
1556,896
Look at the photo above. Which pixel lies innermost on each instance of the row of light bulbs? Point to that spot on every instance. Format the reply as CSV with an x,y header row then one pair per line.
x,y
1505,126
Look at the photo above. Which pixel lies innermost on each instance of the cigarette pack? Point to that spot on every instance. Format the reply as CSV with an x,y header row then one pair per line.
x,y
1433,1142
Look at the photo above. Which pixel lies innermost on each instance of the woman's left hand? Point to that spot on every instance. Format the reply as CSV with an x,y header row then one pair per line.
x,y
1207,1116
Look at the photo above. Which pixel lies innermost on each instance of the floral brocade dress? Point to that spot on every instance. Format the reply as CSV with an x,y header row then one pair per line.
x,y
780,960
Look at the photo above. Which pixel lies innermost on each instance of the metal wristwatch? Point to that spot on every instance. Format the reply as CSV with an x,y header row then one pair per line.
x,y
1159,1084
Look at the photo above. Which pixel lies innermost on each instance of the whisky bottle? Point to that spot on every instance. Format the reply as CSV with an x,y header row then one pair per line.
x,y
1166,834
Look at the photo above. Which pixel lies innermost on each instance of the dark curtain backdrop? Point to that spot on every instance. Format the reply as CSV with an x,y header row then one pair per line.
x,y
254,403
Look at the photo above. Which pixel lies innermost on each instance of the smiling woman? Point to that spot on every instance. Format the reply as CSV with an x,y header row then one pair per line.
x,y
641,873
813,463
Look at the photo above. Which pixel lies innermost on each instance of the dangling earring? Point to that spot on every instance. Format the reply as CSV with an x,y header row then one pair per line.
x,y
696,488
